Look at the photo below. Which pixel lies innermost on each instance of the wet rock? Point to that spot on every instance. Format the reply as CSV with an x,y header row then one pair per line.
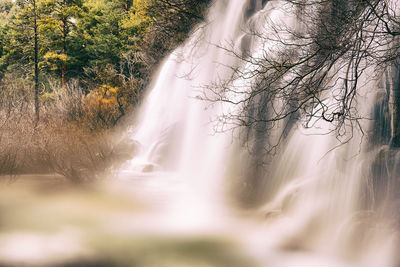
x,y
148,168
254,6
385,175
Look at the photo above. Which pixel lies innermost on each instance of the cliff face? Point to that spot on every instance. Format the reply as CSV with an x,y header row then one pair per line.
x,y
386,113
394,104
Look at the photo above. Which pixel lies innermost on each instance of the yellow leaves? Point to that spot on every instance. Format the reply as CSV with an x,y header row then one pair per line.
x,y
138,17
108,103
48,25
55,56
141,4
46,3
95,4
55,60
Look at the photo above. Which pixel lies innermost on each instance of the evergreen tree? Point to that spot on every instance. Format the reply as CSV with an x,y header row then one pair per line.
x,y
23,44
58,22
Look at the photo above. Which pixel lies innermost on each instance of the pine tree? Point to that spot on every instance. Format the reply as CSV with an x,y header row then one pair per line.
x,y
58,23
24,45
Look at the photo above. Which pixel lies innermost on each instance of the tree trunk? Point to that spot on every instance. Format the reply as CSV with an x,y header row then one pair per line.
x,y
64,66
36,60
128,4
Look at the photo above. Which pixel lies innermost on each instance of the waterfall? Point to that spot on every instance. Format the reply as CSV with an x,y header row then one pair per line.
x,y
314,195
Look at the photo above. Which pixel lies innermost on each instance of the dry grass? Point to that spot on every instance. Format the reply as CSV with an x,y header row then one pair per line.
x,y
60,142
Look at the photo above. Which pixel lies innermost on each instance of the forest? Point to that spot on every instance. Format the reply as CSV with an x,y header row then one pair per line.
x,y
71,70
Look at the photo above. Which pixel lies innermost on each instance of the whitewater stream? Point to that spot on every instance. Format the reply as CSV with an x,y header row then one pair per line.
x,y
197,194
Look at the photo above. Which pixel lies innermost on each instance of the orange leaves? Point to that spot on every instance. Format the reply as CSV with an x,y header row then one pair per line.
x,y
108,104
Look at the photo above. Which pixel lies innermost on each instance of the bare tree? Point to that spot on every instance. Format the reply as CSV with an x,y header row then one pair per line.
x,y
172,21
311,69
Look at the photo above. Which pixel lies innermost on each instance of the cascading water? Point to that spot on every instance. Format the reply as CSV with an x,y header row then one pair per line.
x,y
316,210
174,129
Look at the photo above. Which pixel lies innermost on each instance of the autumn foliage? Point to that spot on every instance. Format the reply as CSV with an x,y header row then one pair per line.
x,y
108,104
93,61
